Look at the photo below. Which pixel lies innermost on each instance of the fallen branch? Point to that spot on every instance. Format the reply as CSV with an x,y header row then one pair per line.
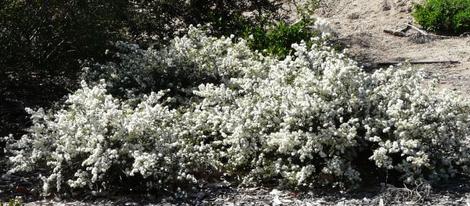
x,y
390,63
395,33
402,32
418,30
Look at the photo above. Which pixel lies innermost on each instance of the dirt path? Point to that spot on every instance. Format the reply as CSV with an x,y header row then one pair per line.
x,y
360,24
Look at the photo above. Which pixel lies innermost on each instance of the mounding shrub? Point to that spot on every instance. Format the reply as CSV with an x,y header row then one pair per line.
x,y
312,119
445,16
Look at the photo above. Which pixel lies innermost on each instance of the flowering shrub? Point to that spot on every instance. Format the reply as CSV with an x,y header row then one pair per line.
x,y
185,63
305,121
96,136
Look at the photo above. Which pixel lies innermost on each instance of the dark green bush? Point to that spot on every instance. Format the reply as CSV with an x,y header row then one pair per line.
x,y
50,36
444,16
277,39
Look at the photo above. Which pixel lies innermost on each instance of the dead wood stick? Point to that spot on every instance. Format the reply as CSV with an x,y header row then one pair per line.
x,y
389,63
395,33
422,62
406,28
418,30
409,26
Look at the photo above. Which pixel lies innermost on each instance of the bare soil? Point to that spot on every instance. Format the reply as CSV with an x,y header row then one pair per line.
x,y
360,24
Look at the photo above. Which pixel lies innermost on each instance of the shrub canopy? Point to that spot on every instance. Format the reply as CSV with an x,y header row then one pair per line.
x,y
313,119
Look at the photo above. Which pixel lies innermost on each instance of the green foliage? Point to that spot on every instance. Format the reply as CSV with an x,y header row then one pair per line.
x,y
15,202
277,39
12,202
445,16
306,8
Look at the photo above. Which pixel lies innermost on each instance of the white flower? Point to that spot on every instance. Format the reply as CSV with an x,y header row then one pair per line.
x,y
323,26
235,112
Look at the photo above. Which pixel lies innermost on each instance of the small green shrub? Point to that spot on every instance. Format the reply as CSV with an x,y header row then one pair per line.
x,y
445,16
306,8
277,40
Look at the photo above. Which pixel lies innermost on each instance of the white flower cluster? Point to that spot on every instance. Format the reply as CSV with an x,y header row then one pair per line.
x,y
306,120
185,63
324,27
96,133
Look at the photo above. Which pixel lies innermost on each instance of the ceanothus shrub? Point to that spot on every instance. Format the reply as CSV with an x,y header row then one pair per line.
x,y
94,134
309,120
184,64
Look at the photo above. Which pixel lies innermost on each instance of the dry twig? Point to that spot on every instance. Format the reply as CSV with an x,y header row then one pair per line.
x,y
390,63
395,33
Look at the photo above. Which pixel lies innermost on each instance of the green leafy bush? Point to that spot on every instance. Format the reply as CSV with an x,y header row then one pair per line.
x,y
445,16
277,39
313,119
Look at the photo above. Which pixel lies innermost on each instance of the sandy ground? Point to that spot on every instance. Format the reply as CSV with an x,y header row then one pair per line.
x,y
360,24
